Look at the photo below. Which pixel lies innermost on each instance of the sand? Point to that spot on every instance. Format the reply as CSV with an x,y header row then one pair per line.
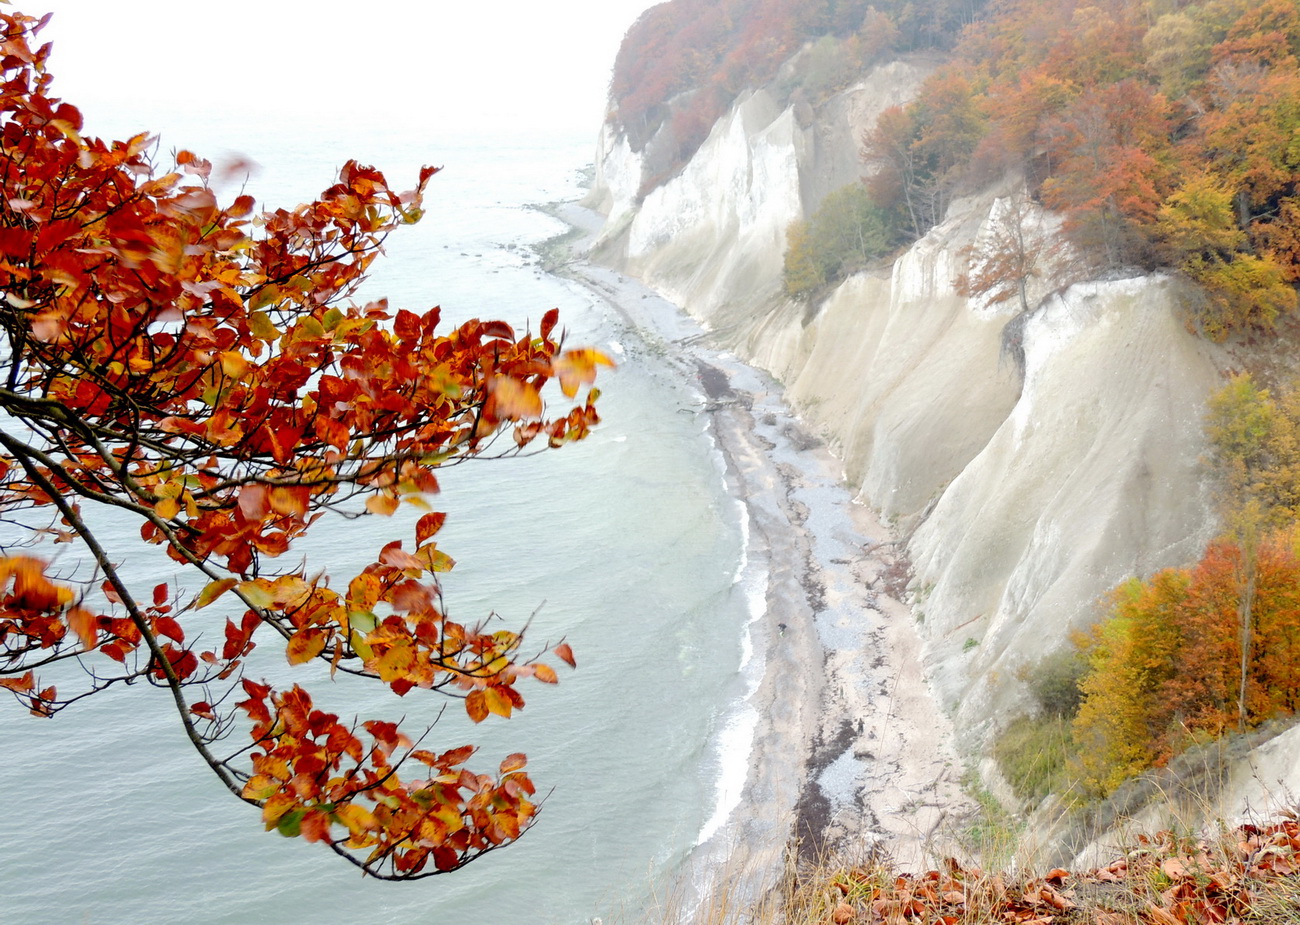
x,y
851,752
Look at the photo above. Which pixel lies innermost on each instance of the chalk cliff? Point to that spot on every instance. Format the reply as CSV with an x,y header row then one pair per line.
x,y
1030,461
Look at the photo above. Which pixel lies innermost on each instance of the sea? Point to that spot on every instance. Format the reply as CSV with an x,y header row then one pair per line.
x,y
628,546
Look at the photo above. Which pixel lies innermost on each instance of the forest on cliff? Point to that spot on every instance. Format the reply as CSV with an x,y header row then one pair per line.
x,y
1164,133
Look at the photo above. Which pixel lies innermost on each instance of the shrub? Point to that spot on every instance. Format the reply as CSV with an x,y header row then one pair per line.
x,y
846,233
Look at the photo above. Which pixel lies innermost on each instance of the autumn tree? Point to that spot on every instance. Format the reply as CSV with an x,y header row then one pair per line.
x,y
1013,249
204,371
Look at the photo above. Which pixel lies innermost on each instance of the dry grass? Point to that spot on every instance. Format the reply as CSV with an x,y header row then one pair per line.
x,y
1248,875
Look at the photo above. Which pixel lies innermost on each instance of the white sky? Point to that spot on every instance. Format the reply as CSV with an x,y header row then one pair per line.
x,y
459,65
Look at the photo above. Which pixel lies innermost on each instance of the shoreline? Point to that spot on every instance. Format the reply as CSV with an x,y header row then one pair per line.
x,y
851,753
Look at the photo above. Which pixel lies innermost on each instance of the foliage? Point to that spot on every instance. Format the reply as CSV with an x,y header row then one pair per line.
x,y
918,153
1013,250
714,50
1164,667
1054,683
1165,135
1164,138
846,232
1255,461
202,370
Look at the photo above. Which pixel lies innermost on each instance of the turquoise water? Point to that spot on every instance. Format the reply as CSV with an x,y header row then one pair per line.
x,y
627,545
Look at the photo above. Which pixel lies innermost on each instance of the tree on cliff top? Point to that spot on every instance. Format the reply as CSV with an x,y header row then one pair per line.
x,y
203,371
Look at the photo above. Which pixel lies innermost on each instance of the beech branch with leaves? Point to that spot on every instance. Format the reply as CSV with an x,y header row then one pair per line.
x,y
205,370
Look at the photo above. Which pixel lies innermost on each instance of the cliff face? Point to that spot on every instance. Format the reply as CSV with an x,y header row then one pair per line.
x,y
1030,467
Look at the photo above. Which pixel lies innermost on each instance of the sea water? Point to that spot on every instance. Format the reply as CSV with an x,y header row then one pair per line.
x,y
626,545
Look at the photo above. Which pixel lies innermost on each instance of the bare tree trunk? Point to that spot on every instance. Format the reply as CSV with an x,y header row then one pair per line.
x,y
1246,618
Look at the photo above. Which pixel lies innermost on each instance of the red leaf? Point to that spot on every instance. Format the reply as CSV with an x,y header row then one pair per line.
x,y
166,626
563,652
428,525
549,320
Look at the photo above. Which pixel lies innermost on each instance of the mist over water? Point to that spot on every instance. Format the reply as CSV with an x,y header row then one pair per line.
x,y
627,545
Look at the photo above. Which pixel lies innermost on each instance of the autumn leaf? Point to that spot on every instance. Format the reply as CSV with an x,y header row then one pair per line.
x,y
578,367
428,525
384,505
201,368
476,706
564,653
304,645
512,400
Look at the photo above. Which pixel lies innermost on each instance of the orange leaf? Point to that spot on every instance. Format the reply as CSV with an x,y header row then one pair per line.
x,y
19,685
315,826
577,367
305,645
382,504
512,400
476,706
428,525
545,674
514,762
82,622
563,652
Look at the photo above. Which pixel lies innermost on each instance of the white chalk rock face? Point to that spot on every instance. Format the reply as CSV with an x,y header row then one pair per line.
x,y
1026,494
719,226
617,178
1094,476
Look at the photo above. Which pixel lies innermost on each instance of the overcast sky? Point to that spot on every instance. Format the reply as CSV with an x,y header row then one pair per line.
x,y
466,66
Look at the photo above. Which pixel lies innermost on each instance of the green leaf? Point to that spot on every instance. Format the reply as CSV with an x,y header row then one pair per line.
x,y
290,824
262,326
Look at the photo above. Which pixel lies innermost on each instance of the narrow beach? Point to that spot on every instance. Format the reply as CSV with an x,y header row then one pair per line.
x,y
849,751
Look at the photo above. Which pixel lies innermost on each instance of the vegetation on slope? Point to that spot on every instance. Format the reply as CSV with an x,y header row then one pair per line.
x,y
1189,654
684,62
1248,875
1163,132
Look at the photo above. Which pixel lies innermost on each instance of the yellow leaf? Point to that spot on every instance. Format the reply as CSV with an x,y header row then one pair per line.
x,y
577,367
363,592
382,504
289,590
257,593
234,364
262,326
358,819
498,702
213,591
434,559
545,674
512,400
394,663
